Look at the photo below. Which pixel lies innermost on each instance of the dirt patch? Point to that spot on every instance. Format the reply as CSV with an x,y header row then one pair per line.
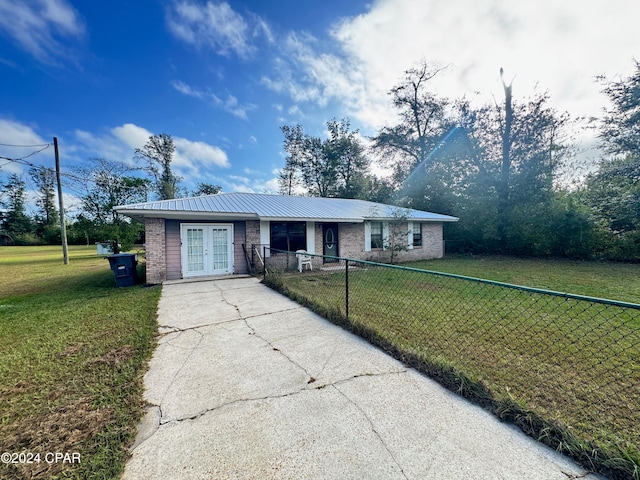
x,y
114,357
61,430
72,350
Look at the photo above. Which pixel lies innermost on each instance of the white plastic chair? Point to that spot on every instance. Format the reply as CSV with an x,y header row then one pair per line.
x,y
303,259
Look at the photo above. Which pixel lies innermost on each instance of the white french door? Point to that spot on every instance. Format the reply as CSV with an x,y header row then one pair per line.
x,y
207,249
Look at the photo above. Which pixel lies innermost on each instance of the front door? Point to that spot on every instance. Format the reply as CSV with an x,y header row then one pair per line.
x,y
207,249
330,241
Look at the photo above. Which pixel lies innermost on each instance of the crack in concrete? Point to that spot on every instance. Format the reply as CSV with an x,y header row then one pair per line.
x,y
300,390
175,376
276,349
373,429
195,327
222,405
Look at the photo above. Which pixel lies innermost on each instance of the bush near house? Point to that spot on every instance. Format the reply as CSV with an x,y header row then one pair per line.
x,y
73,352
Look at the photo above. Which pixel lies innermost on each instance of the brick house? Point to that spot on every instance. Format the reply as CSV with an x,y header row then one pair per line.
x,y
215,234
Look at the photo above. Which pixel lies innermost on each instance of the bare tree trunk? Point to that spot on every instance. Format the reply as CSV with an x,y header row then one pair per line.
x,y
504,207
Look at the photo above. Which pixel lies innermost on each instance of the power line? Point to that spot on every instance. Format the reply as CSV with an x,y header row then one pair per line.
x,y
25,146
22,159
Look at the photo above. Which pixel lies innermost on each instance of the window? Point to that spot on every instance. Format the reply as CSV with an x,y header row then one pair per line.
x,y
417,234
289,236
376,235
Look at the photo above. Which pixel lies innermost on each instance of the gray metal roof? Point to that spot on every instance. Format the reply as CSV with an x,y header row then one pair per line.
x,y
273,207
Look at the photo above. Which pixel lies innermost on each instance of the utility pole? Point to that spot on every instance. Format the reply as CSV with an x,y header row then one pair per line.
x,y
63,228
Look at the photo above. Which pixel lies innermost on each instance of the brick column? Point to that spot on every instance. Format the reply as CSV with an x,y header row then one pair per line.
x,y
155,248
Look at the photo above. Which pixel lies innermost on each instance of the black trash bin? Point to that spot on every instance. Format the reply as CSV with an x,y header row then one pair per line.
x,y
124,268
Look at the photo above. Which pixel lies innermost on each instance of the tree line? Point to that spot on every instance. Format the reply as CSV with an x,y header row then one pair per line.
x,y
504,168
100,185
507,169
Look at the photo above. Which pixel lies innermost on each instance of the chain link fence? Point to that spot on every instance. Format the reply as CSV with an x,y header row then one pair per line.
x,y
565,368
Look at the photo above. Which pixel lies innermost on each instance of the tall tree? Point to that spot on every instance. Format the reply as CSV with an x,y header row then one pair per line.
x,y
347,153
620,125
505,167
15,221
206,189
614,193
511,170
47,216
423,122
106,184
158,153
330,167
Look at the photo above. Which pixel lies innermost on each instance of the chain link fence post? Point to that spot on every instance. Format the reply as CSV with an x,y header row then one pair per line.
x,y
346,288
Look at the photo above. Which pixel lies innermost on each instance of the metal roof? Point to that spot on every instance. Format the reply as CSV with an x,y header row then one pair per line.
x,y
274,207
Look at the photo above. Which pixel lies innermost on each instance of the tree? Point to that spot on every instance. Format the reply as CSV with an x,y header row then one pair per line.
x,y
106,184
47,217
502,185
344,150
331,167
15,221
158,153
620,125
423,123
206,189
517,149
613,194
396,241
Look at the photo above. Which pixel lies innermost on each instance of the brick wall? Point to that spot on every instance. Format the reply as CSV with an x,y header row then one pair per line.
x,y
155,250
351,243
432,246
253,233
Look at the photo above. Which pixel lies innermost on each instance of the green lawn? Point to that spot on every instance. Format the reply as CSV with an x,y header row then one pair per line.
x,y
72,354
566,371
616,281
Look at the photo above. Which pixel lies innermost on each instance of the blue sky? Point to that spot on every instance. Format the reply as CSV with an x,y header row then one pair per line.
x,y
222,77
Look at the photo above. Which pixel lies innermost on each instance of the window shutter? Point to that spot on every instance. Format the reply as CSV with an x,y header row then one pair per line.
x,y
367,236
410,236
311,237
265,236
385,235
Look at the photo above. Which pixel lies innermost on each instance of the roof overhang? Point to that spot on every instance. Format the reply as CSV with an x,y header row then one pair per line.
x,y
140,215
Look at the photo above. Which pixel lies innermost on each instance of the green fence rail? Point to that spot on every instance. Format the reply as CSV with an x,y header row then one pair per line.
x,y
564,367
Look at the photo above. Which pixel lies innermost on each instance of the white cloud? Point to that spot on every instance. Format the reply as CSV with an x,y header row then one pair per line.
x,y
229,104
186,89
16,133
559,46
194,156
192,159
132,135
216,26
40,26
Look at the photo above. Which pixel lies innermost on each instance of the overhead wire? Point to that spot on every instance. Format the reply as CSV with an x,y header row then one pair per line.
x,y
24,146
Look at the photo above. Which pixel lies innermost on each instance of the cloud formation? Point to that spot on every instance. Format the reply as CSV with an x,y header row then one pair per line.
x,y
16,133
191,159
229,104
216,26
41,27
548,45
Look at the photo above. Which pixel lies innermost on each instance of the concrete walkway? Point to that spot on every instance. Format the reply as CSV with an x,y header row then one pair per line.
x,y
246,384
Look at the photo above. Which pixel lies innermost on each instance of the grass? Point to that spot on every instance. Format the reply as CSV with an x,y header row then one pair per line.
x,y
73,352
566,371
615,281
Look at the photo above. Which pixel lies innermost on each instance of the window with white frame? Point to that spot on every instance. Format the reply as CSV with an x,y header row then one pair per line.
x,y
417,234
376,235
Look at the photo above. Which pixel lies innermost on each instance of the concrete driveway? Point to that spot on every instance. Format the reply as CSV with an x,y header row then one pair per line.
x,y
246,384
